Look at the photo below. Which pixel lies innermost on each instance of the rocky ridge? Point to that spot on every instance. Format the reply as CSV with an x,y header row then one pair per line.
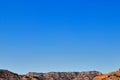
x,y
109,76
8,75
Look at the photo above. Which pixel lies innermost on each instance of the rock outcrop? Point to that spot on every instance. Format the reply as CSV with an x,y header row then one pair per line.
x,y
7,75
109,76
65,75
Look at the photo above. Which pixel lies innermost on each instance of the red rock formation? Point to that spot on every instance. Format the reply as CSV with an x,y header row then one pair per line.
x,y
65,75
109,76
7,75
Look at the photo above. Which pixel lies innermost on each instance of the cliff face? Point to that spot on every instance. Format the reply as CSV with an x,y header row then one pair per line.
x,y
109,76
7,75
65,75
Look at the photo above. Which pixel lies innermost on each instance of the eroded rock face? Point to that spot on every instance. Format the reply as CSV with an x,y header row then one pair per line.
x,y
65,75
25,78
109,76
7,75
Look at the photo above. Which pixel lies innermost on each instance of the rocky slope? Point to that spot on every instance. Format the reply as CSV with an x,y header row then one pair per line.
x,y
7,75
65,75
109,76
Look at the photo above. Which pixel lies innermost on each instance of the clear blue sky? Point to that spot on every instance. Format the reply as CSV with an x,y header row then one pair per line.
x,y
59,35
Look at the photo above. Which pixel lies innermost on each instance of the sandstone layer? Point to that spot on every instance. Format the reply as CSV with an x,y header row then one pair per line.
x,y
109,76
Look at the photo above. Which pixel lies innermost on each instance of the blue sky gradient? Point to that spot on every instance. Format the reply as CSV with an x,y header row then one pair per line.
x,y
65,35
